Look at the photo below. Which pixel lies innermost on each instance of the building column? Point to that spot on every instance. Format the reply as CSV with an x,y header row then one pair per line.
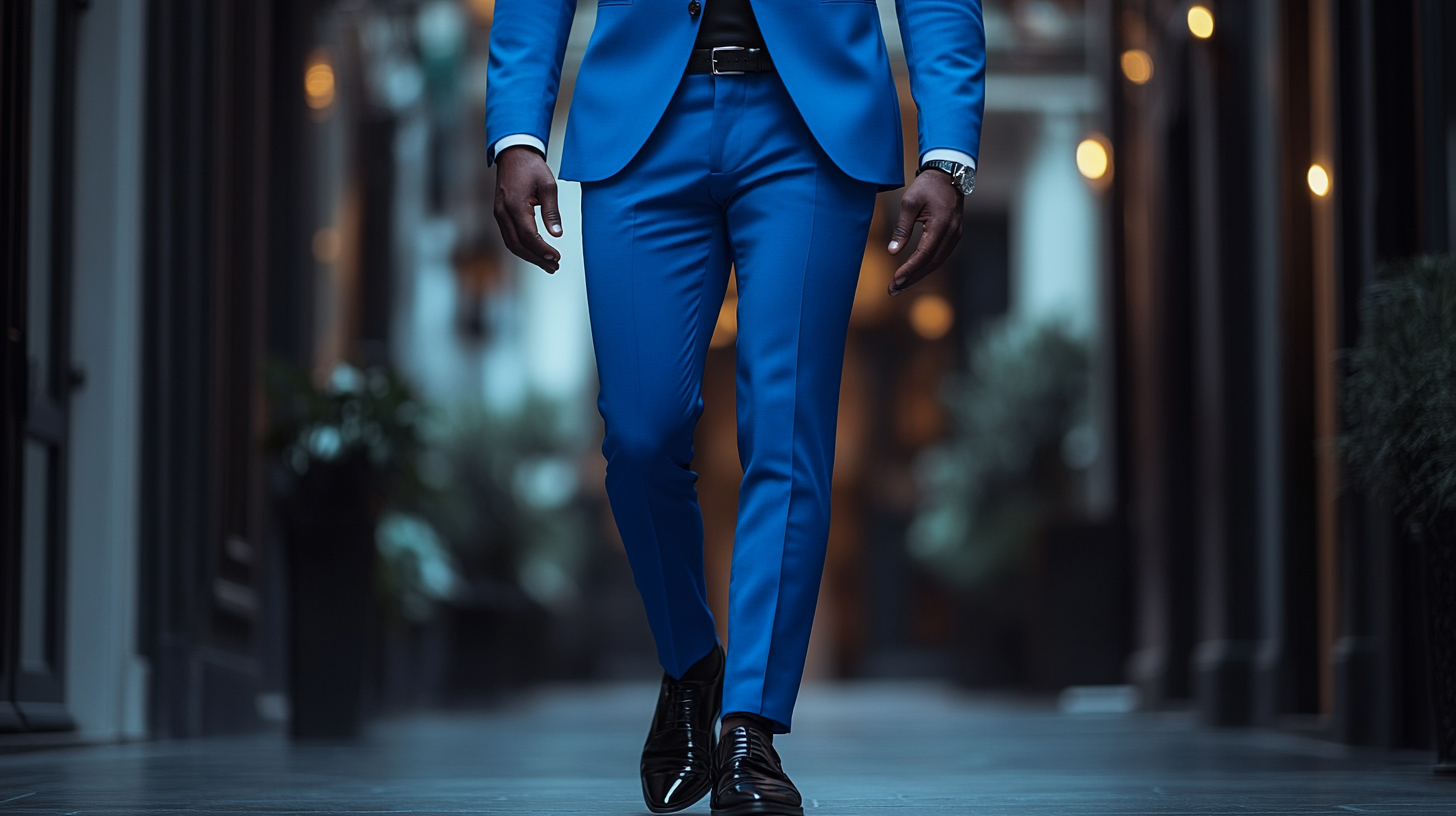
x,y
106,679
1235,350
1287,667
1151,243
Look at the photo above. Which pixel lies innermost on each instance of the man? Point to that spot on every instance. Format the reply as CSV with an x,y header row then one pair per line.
x,y
708,134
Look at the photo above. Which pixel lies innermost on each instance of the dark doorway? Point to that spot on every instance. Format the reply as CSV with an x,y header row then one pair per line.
x,y
39,374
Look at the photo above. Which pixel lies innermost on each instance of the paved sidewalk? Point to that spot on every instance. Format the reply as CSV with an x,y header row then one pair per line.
x,y
858,749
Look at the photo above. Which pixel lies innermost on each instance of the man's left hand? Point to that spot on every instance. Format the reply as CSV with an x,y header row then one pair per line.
x,y
934,202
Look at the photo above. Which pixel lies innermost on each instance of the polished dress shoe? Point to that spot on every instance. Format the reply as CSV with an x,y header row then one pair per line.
x,y
751,780
677,761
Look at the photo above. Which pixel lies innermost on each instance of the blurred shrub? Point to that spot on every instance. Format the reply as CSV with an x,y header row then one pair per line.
x,y
417,568
365,424
371,414
1400,396
467,499
502,491
1019,433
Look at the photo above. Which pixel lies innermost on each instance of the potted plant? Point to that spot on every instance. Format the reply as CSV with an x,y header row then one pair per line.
x,y
999,489
339,447
1019,428
1400,404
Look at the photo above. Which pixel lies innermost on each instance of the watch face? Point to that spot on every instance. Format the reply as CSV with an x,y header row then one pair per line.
x,y
966,180
963,178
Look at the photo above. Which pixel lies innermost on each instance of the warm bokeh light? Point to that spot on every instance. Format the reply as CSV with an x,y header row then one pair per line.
x,y
318,80
326,245
1137,66
1092,158
931,316
483,10
725,331
1319,180
1200,22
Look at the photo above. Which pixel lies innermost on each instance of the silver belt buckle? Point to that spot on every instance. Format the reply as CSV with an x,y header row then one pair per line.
x,y
713,63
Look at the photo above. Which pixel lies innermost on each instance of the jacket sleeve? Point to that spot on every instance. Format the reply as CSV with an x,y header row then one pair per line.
x,y
527,44
945,49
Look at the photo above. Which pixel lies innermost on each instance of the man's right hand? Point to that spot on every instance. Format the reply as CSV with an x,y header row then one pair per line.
x,y
522,183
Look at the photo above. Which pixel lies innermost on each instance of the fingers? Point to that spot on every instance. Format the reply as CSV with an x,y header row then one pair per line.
x,y
536,250
937,243
933,202
517,221
550,213
918,266
507,227
910,208
949,240
522,182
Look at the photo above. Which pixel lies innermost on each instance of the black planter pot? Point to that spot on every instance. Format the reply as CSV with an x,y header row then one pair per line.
x,y
1438,541
330,539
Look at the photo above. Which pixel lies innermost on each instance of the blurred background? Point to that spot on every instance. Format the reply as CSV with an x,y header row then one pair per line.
x,y
290,440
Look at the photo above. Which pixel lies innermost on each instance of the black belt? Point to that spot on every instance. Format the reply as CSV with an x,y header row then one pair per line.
x,y
729,60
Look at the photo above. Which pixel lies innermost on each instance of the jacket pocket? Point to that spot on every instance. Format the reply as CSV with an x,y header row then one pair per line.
x,y
614,3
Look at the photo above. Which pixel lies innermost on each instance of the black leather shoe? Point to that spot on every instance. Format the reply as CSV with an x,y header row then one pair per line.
x,y
751,780
677,761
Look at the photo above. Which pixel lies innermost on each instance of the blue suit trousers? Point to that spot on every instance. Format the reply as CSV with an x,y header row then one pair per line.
x,y
730,176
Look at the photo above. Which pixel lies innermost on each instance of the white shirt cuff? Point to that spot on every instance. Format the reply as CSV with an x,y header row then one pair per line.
x,y
938,154
514,140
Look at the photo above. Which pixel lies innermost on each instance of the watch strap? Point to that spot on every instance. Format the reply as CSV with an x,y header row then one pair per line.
x,y
962,176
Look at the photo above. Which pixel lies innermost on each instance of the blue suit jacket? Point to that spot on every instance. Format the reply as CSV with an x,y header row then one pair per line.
x,y
830,55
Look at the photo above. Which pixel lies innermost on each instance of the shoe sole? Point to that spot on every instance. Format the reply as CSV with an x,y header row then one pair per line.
x,y
758,809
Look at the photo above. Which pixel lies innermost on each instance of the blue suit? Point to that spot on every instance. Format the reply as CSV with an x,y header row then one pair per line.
x,y
830,55
683,177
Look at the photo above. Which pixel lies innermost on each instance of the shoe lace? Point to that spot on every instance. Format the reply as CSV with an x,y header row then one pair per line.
x,y
682,703
742,743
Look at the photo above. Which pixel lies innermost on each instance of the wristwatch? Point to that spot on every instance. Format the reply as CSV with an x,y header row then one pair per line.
x,y
962,177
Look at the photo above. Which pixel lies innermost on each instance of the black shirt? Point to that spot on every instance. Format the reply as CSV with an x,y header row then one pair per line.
x,y
728,22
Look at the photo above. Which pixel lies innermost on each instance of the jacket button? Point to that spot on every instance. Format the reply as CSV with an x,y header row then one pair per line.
x,y
694,7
